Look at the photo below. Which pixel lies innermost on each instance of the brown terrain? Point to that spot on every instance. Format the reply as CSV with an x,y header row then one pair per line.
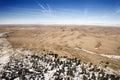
x,y
68,41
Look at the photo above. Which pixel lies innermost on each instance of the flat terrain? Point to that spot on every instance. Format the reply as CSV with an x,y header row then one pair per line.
x,y
89,43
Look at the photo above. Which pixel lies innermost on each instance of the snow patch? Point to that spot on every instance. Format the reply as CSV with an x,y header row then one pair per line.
x,y
111,56
104,55
87,51
3,61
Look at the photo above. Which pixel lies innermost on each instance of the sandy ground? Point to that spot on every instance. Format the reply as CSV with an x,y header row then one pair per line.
x,y
65,39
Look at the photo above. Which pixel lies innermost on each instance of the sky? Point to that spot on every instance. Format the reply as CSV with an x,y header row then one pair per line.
x,y
88,12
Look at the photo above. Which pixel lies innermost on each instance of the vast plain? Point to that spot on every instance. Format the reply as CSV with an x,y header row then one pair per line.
x,y
99,45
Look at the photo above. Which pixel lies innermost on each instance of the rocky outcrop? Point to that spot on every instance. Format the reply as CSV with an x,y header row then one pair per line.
x,y
5,50
4,35
51,67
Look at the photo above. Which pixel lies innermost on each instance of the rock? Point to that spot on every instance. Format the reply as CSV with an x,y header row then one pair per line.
x,y
4,35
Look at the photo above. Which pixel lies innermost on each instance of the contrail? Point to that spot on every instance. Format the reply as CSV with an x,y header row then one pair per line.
x,y
42,6
45,10
49,10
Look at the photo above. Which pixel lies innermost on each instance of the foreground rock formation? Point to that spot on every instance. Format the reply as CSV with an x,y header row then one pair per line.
x,y
52,67
19,64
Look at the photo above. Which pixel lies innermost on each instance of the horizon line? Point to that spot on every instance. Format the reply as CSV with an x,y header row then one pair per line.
x,y
104,25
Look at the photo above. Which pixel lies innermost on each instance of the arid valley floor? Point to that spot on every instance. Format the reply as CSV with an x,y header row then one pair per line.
x,y
99,45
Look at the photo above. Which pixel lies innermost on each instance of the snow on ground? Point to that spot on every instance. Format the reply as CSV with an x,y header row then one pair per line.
x,y
3,61
44,68
111,56
104,55
49,74
5,50
109,70
87,51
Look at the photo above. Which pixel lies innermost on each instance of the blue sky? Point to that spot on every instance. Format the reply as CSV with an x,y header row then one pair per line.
x,y
104,12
